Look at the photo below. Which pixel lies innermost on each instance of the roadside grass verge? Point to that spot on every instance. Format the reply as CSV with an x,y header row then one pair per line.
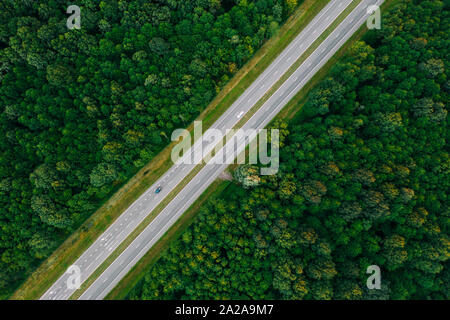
x,y
53,267
292,109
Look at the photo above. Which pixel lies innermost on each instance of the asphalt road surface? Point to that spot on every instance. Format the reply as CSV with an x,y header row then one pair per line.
x,y
134,215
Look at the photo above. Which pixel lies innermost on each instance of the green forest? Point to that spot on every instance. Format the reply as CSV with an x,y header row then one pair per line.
x,y
364,180
82,110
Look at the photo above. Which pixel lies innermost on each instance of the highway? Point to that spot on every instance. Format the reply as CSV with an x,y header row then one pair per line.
x,y
89,261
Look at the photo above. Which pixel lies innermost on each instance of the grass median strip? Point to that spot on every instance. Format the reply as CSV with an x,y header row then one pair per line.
x,y
298,62
52,268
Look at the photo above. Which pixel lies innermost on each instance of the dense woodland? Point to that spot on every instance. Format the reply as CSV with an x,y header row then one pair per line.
x,y
83,110
364,180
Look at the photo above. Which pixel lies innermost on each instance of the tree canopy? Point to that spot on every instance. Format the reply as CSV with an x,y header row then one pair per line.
x,y
364,179
82,110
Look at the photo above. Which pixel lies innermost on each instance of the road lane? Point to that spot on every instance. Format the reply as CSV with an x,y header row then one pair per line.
x,y
131,255
89,261
136,213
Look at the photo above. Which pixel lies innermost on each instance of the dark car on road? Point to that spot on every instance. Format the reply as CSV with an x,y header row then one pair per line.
x,y
158,190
